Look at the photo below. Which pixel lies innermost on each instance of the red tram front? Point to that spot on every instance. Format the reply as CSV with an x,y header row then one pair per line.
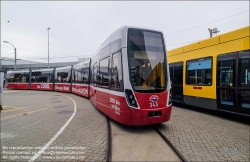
x,y
130,79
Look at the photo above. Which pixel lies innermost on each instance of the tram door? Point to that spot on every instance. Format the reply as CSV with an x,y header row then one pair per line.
x,y
233,82
176,77
244,82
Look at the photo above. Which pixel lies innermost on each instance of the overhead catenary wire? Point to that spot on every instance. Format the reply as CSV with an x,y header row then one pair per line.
x,y
207,23
200,26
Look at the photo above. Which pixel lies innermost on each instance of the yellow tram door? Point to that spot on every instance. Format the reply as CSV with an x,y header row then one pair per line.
x,y
233,82
176,78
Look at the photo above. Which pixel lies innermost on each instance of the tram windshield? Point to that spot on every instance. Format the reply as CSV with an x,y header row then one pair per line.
x,y
147,61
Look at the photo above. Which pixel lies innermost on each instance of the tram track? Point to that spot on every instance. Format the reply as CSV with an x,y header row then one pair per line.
x,y
109,141
133,133
176,151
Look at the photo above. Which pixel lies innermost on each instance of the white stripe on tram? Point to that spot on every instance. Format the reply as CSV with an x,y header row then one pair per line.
x,y
117,93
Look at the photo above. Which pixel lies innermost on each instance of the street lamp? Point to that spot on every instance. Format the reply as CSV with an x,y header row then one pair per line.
x,y
48,47
14,49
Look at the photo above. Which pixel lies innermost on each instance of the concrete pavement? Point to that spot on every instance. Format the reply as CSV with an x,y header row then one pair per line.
x,y
31,119
202,135
139,143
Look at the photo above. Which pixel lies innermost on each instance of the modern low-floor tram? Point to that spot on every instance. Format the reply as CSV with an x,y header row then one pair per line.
x,y
127,78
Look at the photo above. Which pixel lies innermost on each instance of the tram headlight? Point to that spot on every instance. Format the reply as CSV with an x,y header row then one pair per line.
x,y
130,98
170,97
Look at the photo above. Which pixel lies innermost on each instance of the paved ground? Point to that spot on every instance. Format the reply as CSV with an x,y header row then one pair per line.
x,y
139,143
27,126
207,136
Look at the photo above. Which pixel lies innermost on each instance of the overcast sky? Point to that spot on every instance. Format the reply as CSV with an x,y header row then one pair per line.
x,y
79,27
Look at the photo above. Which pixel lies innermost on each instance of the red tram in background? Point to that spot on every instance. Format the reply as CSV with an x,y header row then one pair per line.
x,y
42,79
127,78
18,79
63,77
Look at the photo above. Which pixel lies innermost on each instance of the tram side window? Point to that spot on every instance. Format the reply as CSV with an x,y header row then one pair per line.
x,y
35,77
47,78
199,71
94,74
77,76
116,70
103,77
73,75
86,73
62,77
42,77
21,78
10,78
80,74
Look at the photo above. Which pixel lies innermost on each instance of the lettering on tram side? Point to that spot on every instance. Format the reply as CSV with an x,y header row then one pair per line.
x,y
80,90
43,86
115,105
65,88
153,101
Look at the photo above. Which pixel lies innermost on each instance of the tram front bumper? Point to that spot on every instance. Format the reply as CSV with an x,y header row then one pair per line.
x,y
151,116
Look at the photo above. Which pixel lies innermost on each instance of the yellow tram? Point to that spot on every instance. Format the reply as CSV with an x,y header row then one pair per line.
x,y
213,73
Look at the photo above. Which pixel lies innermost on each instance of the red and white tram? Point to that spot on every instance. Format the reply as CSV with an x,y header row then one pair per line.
x,y
127,78
130,78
